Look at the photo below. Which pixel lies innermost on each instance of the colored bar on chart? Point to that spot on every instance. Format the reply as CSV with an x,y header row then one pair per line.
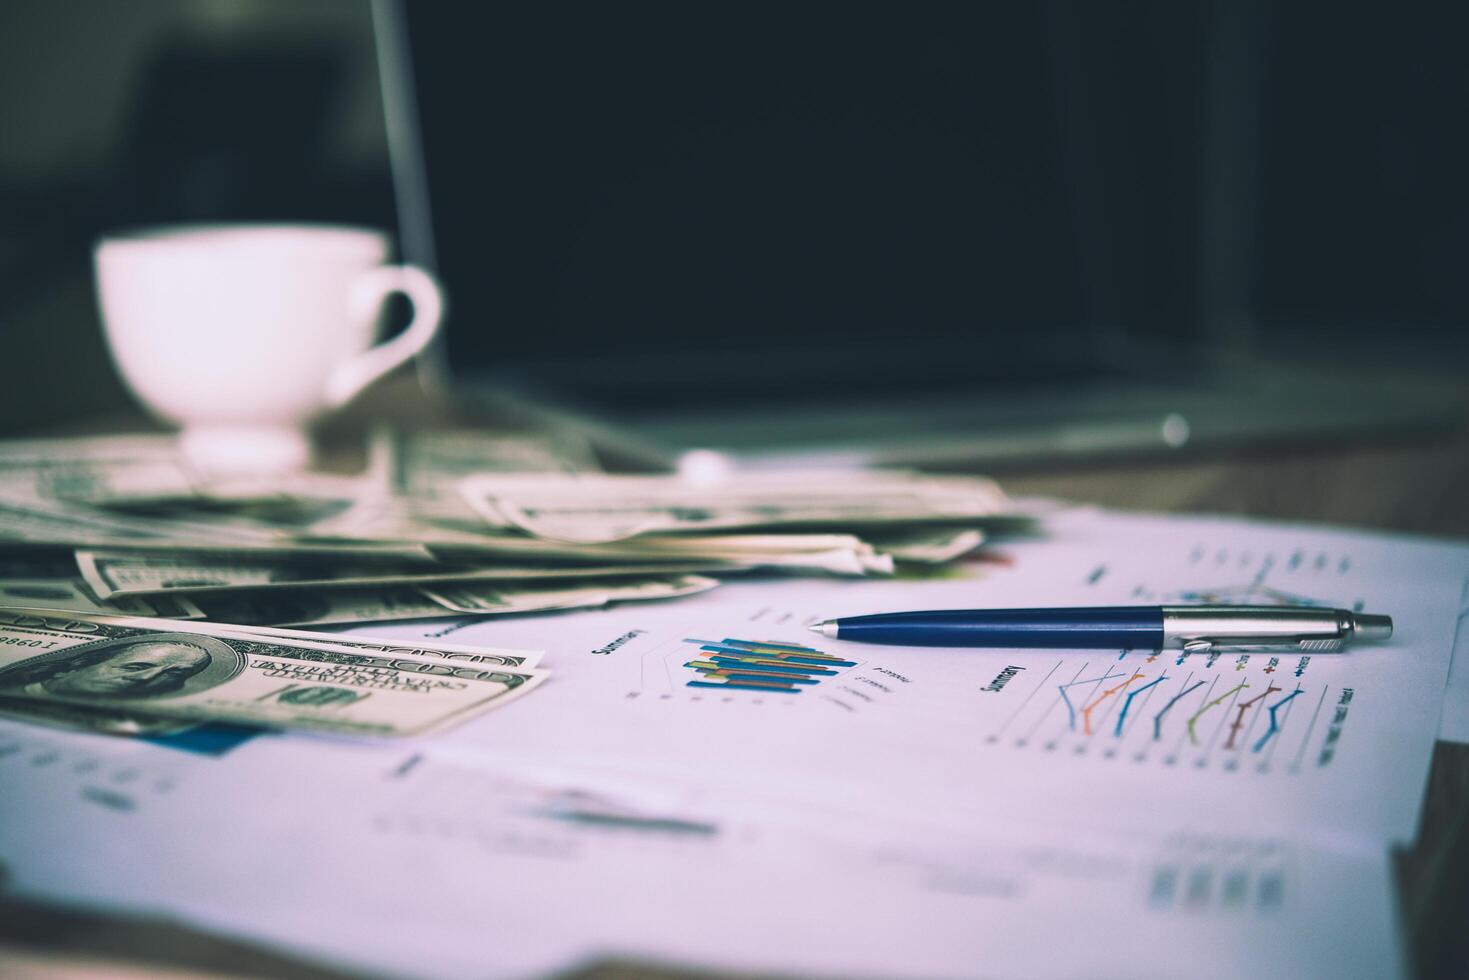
x,y
768,688
761,666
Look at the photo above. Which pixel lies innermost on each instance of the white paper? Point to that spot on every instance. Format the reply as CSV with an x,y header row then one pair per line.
x,y
884,821
389,862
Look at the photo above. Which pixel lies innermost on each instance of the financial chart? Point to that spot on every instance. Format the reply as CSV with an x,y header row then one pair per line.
x,y
759,669
1228,734
1168,737
1195,711
1260,713
766,666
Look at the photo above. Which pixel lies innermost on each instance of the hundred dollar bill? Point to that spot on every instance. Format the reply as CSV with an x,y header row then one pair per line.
x,y
457,540
341,607
430,464
604,509
483,599
121,491
27,562
101,481
31,523
28,523
841,554
77,717
144,471
72,593
464,537
111,574
80,718
193,672
21,458
927,546
310,606
44,502
413,477
413,649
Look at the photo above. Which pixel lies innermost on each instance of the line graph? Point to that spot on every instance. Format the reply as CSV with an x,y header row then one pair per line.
x,y
1158,718
1127,705
1240,709
1071,707
1086,713
1205,716
1275,720
1246,712
1193,734
1266,578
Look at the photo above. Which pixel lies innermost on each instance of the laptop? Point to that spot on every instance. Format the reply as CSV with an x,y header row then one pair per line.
x,y
945,235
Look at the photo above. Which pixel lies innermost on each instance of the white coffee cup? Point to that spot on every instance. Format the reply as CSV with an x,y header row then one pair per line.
x,y
243,335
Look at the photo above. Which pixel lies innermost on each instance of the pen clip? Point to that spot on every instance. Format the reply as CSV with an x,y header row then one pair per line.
x,y
1314,644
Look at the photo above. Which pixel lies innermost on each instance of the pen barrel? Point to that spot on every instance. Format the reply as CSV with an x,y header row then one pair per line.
x,y
1102,627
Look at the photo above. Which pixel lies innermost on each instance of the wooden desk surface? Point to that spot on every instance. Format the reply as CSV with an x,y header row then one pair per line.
x,y
1416,484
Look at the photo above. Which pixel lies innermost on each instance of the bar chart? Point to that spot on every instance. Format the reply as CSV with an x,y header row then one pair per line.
x,y
768,667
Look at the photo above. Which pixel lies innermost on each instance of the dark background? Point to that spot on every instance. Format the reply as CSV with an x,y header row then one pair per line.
x,y
151,111
1281,175
733,190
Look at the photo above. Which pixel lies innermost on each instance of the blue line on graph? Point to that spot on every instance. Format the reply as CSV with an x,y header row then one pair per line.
x,y
747,687
769,668
1158,718
1070,708
1270,732
1122,715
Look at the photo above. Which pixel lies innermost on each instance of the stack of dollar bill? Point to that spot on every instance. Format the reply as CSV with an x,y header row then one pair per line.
x,y
439,524
133,675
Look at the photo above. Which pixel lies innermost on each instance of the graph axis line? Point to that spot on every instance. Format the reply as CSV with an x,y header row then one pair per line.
x,y
1036,690
1301,753
1070,708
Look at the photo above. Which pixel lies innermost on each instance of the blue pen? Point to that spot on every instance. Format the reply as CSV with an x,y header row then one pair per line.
x,y
1197,629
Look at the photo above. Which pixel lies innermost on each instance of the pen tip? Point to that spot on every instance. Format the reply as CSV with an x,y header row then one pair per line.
x,y
819,627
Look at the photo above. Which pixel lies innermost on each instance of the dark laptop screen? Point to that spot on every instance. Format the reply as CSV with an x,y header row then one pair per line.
x,y
689,196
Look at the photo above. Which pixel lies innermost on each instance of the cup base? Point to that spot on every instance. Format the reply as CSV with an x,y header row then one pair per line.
x,y
241,451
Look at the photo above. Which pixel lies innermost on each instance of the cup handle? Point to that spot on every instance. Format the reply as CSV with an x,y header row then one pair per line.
x,y
365,300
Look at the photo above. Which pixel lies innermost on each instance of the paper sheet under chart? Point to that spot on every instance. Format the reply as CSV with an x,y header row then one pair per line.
x,y
1336,742
398,863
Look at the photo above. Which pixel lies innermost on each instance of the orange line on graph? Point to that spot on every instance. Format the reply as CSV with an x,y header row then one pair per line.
x,y
1086,713
1239,718
1192,736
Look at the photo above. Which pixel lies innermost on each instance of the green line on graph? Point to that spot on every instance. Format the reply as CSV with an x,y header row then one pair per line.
x,y
1192,735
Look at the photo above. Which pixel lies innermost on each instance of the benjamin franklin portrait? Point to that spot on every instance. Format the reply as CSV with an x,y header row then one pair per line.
x,y
154,665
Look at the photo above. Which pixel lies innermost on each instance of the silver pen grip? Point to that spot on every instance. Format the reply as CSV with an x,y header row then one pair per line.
x,y
1204,628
